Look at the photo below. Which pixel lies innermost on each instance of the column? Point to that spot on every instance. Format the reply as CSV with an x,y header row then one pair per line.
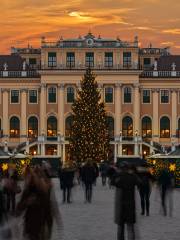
x,y
23,129
43,109
61,130
61,109
136,108
118,106
155,124
174,115
5,119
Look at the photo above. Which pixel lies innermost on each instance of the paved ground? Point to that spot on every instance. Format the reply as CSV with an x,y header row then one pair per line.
x,y
95,221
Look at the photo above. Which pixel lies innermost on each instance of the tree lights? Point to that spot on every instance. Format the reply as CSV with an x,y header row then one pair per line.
x,y
89,134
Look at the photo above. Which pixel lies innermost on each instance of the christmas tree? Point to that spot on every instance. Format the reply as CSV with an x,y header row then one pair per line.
x,y
89,135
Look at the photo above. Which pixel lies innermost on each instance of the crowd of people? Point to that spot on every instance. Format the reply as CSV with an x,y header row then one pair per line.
x,y
38,208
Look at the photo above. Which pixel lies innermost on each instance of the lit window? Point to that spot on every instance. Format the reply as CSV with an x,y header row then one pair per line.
x,y
146,96
109,95
14,96
164,127
127,95
127,127
164,96
32,96
32,127
51,95
146,127
14,127
52,127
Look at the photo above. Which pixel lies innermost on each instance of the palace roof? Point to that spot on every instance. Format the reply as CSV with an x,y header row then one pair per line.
x,y
13,62
165,63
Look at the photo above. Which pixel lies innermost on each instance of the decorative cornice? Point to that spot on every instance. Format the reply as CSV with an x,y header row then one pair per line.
x,y
5,90
24,90
155,90
61,86
118,85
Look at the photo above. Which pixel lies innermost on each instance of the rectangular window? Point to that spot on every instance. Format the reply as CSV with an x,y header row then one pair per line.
x,y
108,59
126,59
146,96
109,95
164,96
32,61
14,96
147,61
127,95
70,59
90,59
52,60
33,96
52,95
70,95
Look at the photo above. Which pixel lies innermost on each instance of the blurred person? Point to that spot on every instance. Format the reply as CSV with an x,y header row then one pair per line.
x,y
66,176
35,205
111,172
166,184
11,189
145,188
88,174
125,183
103,171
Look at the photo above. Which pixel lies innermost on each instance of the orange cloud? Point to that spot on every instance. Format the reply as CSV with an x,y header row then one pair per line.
x,y
25,21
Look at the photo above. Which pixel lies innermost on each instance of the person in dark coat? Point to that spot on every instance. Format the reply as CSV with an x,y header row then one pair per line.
x,y
35,207
166,185
111,172
88,175
125,183
103,170
66,181
145,188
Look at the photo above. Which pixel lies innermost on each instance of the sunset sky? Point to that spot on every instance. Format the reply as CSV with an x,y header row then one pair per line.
x,y
155,21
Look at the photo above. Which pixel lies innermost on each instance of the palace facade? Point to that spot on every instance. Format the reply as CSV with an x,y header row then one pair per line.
x,y
140,88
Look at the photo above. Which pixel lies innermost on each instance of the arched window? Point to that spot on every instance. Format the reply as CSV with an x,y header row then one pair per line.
x,y
110,125
164,127
14,127
32,127
127,127
146,127
70,94
127,95
68,125
52,126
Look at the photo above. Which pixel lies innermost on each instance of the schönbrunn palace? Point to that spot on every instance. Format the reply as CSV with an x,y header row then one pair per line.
x,y
140,88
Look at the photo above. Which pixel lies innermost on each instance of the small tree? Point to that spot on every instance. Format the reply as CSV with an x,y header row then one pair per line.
x,y
89,134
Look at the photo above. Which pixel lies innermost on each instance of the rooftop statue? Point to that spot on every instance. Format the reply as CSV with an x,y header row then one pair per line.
x,y
173,66
155,65
5,66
